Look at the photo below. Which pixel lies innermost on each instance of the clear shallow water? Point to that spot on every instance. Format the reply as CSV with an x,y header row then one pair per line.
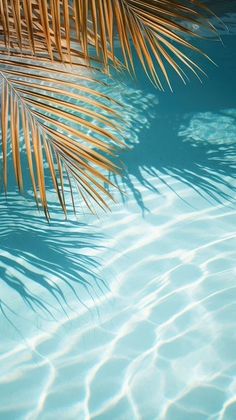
x,y
132,316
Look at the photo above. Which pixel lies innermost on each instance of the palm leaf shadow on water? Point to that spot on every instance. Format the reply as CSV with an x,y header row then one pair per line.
x,y
41,263
206,168
35,253
190,136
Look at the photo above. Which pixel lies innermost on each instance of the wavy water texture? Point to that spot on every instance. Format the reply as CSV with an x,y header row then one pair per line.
x,y
132,315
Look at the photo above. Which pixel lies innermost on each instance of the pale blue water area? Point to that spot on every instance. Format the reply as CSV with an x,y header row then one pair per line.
x,y
133,315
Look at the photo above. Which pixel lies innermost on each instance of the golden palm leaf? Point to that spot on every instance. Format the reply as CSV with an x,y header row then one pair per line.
x,y
46,50
157,30
66,122
49,94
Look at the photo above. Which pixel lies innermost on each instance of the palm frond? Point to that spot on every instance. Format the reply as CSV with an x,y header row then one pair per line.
x,y
66,122
156,29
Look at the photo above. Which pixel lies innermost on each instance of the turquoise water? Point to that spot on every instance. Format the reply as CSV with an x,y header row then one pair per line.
x,y
132,315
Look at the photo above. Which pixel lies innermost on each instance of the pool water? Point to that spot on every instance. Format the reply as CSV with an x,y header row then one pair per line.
x,y
133,315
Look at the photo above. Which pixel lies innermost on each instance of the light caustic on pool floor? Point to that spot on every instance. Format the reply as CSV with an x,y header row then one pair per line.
x,y
163,342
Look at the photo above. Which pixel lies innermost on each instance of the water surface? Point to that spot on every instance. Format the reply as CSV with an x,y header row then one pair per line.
x,y
132,316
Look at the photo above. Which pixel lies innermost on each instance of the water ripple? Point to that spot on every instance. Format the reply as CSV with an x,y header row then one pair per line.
x,y
163,345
